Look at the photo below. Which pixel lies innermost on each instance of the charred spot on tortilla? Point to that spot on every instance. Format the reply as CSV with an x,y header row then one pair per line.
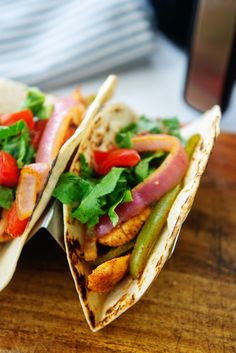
x,y
159,262
118,305
201,147
123,304
99,140
117,110
74,247
92,318
81,280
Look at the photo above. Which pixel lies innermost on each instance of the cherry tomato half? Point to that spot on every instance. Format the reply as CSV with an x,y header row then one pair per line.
x,y
120,157
15,227
99,156
9,171
26,115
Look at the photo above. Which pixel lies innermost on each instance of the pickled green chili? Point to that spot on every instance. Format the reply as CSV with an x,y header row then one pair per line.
x,y
115,252
191,144
149,233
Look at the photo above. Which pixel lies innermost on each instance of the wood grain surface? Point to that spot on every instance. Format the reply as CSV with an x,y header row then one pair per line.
x,y
191,307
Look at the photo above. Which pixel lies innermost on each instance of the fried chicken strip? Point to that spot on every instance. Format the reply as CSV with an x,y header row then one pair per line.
x,y
126,231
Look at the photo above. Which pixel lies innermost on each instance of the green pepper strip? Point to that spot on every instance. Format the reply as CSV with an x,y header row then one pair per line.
x,y
155,223
150,231
120,250
191,145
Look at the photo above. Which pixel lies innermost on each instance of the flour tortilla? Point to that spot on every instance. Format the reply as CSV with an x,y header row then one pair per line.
x,y
11,95
101,309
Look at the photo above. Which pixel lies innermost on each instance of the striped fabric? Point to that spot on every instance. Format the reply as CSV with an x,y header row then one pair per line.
x,y
51,43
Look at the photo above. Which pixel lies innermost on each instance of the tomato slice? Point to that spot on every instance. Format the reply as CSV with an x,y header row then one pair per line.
x,y
99,156
9,171
37,132
15,227
26,115
120,157
54,134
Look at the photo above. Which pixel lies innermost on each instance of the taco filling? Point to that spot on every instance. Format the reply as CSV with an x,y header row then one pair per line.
x,y
30,140
122,196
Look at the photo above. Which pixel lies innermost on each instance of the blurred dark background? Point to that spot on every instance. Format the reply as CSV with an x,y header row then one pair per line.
x,y
175,19
206,29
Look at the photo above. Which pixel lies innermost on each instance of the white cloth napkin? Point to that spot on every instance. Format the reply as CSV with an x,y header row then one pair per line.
x,y
51,43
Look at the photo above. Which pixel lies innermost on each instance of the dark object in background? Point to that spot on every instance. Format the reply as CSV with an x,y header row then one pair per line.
x,y
174,18
208,28
212,60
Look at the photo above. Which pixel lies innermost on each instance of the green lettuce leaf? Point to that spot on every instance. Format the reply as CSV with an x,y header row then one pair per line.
x,y
13,130
169,126
172,125
143,168
16,141
6,197
71,188
126,197
145,124
45,112
35,101
90,208
124,136
85,170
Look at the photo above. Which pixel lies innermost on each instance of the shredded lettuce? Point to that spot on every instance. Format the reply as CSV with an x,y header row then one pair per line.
x,y
126,197
168,126
6,197
144,168
13,130
90,208
124,136
92,198
15,140
71,188
35,101
172,127
85,170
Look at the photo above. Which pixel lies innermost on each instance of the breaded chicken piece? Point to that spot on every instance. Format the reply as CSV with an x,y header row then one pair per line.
x,y
126,231
108,274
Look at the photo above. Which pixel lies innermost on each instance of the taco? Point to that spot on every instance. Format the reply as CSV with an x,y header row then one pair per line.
x,y
38,135
127,193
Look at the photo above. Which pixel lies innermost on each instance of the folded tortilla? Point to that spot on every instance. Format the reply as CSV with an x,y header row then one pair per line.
x,y
11,95
101,309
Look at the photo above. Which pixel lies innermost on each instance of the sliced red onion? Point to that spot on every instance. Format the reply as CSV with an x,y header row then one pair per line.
x,y
55,131
31,182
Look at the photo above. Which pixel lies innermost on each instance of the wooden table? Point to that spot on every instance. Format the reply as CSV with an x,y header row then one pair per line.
x,y
191,307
